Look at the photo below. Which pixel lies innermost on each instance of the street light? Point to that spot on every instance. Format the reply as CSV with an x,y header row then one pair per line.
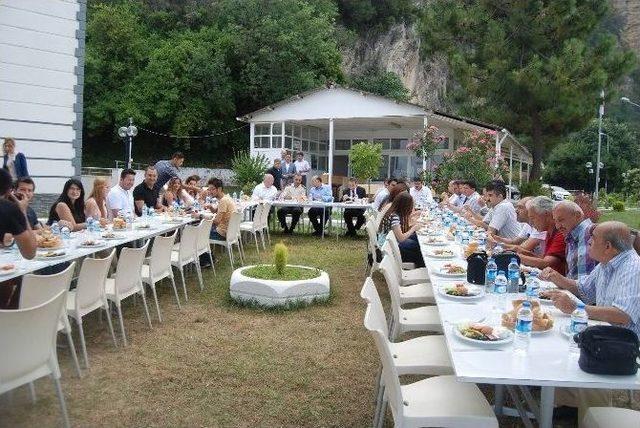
x,y
627,100
128,132
600,114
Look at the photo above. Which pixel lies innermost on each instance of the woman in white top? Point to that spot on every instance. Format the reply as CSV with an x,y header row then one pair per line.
x,y
96,205
176,193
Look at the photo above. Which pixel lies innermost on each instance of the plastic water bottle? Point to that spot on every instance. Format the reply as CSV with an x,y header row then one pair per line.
x,y
533,286
128,218
55,228
523,329
65,232
490,274
241,195
500,290
498,249
90,223
514,276
235,196
579,321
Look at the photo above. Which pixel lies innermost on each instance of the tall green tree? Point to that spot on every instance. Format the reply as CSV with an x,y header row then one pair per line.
x,y
385,83
536,66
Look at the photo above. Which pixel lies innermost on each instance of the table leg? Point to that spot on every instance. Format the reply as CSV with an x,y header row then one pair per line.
x,y
547,395
499,399
324,212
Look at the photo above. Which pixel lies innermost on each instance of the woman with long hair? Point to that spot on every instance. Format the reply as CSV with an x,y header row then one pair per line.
x,y
69,207
176,193
402,220
96,205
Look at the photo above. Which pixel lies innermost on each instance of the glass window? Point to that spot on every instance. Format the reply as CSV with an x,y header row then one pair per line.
x,y
398,144
305,146
288,142
276,142
314,161
399,166
384,168
415,166
315,134
305,132
343,144
287,129
296,131
384,142
263,128
256,142
277,128
359,141
297,144
264,142
313,146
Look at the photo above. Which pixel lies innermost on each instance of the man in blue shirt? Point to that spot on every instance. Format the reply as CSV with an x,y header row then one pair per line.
x,y
167,169
321,193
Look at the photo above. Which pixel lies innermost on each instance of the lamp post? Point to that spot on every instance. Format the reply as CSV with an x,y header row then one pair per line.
x,y
127,133
628,101
598,163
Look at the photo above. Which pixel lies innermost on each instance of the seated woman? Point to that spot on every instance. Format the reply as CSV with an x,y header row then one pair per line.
x,y
96,205
191,186
68,209
176,193
402,220
383,226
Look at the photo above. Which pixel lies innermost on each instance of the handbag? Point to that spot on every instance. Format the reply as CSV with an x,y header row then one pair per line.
x,y
608,349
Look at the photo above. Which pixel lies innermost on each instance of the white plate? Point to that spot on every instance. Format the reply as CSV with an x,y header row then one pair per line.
x,y
478,292
440,256
96,244
4,272
436,244
445,274
114,238
40,256
153,227
508,338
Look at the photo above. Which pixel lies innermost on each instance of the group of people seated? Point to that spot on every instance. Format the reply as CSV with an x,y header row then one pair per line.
x,y
284,169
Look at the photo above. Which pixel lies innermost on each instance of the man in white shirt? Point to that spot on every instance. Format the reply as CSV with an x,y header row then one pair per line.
x,y
302,167
504,221
120,197
455,200
421,194
265,191
528,238
470,197
383,193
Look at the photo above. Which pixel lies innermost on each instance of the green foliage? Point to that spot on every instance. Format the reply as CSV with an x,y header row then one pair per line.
x,y
291,273
385,83
248,170
366,160
631,183
534,188
280,257
376,15
536,66
566,163
618,206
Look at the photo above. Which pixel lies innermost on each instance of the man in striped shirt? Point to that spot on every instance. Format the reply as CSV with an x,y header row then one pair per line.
x,y
612,290
571,221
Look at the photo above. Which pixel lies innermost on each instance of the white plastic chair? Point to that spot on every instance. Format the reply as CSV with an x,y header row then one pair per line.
x,y
424,318
410,274
159,267
202,243
40,288
372,244
415,293
232,238
605,417
90,295
264,224
186,254
127,281
254,225
424,355
439,401
28,338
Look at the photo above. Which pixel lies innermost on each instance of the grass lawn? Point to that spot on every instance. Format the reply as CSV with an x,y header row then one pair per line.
x,y
215,363
630,217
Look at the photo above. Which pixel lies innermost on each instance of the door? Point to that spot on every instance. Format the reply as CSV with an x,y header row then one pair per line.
x,y
341,165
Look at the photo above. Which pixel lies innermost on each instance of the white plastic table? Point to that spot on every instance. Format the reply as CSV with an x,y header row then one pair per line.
x,y
548,364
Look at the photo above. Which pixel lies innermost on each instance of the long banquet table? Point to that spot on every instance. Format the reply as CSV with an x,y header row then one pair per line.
x,y
548,363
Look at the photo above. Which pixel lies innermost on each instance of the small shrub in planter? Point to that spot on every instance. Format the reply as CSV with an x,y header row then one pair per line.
x,y
618,206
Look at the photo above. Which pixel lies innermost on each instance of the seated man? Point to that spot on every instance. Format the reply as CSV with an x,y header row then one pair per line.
x,y
421,194
222,210
145,194
352,192
265,191
293,192
503,220
454,198
540,213
322,193
383,193
571,221
528,238
26,187
470,197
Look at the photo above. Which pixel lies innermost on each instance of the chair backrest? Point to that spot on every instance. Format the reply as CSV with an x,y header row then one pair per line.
x,y
128,269
37,289
257,215
203,235
394,247
233,229
28,342
188,243
264,221
160,264
390,277
389,372
93,275
370,294
373,236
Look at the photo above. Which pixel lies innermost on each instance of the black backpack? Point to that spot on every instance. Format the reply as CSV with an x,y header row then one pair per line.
x,y
607,349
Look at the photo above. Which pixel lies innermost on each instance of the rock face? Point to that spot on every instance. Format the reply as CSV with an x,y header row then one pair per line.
x,y
397,50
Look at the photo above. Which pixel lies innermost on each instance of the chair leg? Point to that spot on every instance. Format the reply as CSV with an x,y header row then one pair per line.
x,y
146,309
72,350
211,260
175,290
63,405
255,237
230,253
113,334
32,392
241,254
83,344
199,272
155,297
184,285
264,247
124,336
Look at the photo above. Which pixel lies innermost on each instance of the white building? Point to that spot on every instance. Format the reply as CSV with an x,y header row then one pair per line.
x,y
325,122
41,85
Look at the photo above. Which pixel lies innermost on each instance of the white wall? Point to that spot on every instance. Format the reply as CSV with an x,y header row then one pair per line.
x,y
41,85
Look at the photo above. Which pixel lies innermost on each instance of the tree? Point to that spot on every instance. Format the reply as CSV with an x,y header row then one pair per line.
x,y
536,66
366,160
386,84
566,164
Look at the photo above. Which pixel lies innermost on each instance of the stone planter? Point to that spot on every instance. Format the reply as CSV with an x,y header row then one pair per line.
x,y
267,292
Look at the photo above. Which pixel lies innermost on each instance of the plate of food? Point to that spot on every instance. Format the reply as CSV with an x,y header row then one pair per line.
x,y
483,334
144,226
436,241
462,291
46,239
7,269
542,321
451,270
119,224
441,254
173,220
51,254
92,243
111,236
